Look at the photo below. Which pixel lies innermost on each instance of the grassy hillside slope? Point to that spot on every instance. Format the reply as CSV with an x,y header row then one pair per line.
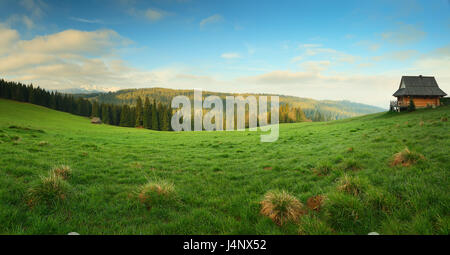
x,y
220,177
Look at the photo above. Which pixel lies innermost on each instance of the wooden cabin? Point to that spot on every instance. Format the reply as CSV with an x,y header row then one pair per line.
x,y
423,90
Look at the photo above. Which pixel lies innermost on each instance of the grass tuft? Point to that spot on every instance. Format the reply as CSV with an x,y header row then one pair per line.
x,y
311,225
406,158
352,165
352,185
62,171
49,190
281,207
322,169
156,191
43,143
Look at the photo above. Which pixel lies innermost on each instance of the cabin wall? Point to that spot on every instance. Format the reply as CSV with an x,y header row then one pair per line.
x,y
420,102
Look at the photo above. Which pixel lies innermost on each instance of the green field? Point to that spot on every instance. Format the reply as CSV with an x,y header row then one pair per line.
x,y
221,177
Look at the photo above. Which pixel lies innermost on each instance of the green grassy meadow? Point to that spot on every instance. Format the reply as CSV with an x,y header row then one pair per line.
x,y
220,177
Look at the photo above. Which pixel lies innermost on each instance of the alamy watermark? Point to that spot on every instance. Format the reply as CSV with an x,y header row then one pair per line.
x,y
182,119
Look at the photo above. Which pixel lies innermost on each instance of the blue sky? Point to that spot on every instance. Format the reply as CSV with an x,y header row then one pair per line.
x,y
355,50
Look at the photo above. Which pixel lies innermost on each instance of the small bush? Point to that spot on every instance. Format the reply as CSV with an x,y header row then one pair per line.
x,y
311,225
62,171
352,185
281,207
154,192
406,158
49,190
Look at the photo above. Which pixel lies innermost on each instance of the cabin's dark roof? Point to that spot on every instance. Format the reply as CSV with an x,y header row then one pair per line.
x,y
419,86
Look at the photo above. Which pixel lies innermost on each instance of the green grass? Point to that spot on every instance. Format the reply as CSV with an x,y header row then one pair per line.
x,y
220,178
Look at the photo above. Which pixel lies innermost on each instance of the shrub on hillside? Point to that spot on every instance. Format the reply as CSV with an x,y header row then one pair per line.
x,y
281,207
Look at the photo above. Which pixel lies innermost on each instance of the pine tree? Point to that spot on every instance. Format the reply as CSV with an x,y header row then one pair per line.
x,y
139,113
155,122
105,114
147,118
95,109
132,117
124,116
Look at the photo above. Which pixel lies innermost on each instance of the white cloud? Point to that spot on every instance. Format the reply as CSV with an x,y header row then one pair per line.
x,y
404,34
401,55
372,46
90,21
230,55
211,19
154,15
150,14
309,45
296,59
35,7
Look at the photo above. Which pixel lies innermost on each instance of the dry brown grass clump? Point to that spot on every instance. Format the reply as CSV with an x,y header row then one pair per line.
x,y
421,123
315,202
406,158
154,191
64,171
350,149
281,207
444,119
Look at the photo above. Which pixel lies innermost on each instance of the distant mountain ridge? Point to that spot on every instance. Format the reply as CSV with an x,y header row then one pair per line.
x,y
316,110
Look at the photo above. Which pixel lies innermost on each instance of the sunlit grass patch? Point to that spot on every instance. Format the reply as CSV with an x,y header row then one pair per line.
x,y
281,207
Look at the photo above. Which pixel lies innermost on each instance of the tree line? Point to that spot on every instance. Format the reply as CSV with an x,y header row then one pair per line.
x,y
150,115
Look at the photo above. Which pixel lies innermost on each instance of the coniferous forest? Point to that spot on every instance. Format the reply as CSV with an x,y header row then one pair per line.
x,y
147,113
